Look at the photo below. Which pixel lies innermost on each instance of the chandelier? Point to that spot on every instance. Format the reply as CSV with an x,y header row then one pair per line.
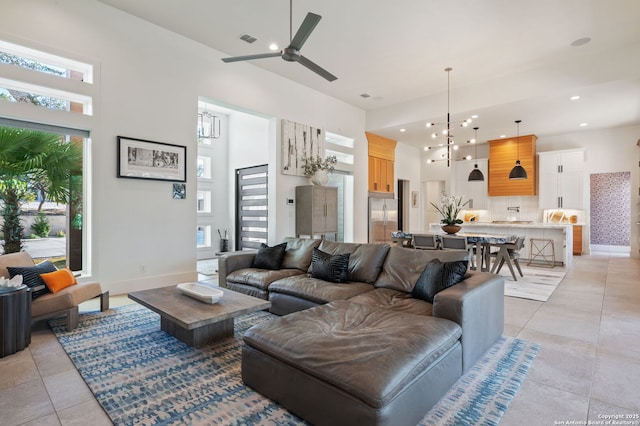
x,y
208,125
448,141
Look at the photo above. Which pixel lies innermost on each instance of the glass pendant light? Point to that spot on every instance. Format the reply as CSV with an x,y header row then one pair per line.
x,y
476,173
518,172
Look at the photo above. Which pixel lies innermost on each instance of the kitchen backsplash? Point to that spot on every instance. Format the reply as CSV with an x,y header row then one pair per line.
x,y
515,208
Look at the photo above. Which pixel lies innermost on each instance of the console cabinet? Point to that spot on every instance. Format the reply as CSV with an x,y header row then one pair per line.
x,y
561,179
475,191
316,210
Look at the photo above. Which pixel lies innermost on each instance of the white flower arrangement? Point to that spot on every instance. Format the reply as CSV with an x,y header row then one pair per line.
x,y
449,208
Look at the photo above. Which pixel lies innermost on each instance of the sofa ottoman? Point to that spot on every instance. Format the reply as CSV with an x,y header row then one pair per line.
x,y
346,363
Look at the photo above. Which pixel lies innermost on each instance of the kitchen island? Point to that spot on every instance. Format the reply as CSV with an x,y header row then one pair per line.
x,y
561,234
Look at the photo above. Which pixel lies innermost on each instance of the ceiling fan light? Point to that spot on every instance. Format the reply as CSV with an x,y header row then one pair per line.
x,y
518,172
476,174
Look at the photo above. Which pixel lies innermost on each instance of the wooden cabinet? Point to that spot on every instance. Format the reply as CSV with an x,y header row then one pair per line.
x,y
475,191
316,210
381,163
561,179
381,175
503,154
577,240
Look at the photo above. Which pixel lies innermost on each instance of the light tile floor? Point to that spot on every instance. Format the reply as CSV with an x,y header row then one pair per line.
x,y
588,367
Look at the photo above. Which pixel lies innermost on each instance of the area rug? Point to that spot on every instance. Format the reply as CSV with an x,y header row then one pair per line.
x,y
141,375
537,283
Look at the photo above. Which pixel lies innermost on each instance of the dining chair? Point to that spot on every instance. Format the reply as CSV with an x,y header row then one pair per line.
x,y
455,242
507,253
425,241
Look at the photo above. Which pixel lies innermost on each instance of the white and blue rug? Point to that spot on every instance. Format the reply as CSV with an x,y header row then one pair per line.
x,y
141,375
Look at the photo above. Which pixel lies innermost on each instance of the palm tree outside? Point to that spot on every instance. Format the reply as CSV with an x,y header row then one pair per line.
x,y
30,160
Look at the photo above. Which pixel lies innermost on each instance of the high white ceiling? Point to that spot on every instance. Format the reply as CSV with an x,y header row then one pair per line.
x,y
511,59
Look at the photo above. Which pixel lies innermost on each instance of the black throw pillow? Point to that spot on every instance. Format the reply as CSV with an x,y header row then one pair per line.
x,y
269,257
438,276
330,268
31,276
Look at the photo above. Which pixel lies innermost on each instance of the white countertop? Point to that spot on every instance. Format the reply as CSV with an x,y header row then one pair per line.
x,y
515,225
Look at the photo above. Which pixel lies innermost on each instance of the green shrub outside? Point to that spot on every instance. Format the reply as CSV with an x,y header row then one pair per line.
x,y
41,226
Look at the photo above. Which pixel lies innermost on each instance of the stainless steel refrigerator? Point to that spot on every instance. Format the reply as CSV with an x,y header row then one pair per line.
x,y
383,219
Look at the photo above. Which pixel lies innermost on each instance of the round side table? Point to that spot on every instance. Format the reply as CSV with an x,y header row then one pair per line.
x,y
15,320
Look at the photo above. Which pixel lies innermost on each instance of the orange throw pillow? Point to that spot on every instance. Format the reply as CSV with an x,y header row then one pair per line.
x,y
59,280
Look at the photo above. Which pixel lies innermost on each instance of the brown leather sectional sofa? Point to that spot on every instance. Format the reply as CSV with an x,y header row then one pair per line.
x,y
364,351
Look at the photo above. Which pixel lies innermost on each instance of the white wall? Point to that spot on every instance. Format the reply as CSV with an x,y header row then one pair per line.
x,y
407,167
149,81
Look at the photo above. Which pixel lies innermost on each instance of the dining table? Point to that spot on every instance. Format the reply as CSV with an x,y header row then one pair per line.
x,y
478,239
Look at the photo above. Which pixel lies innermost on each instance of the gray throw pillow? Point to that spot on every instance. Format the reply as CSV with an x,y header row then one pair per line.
x,y
330,268
31,276
438,276
269,257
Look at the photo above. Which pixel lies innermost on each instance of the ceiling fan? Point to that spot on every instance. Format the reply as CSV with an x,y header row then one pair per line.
x,y
291,53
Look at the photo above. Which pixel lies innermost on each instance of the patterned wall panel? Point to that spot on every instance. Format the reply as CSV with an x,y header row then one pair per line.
x,y
611,209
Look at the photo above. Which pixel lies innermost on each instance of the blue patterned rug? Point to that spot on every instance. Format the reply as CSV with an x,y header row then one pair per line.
x,y
141,375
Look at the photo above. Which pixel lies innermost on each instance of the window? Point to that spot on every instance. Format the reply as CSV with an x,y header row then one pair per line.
x,y
342,148
31,89
54,83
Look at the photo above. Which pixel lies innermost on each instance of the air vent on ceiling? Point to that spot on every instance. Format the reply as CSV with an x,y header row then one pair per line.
x,y
248,38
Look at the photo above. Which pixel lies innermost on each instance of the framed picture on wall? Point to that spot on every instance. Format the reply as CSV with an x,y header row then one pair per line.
x,y
299,141
414,199
143,159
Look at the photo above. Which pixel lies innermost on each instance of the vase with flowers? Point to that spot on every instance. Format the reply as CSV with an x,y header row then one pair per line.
x,y
449,208
317,169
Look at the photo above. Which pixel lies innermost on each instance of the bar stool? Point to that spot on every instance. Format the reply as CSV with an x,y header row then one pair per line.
x,y
537,252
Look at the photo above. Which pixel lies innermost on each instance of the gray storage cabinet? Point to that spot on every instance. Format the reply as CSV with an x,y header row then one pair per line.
x,y
316,210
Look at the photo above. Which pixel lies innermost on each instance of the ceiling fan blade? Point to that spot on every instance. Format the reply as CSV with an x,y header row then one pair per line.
x,y
317,68
249,57
309,23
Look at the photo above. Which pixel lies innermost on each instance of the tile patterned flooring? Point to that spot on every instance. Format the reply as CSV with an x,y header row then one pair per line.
x,y
588,367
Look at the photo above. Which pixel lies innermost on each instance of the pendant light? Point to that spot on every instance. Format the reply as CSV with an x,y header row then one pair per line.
x,y
476,173
518,172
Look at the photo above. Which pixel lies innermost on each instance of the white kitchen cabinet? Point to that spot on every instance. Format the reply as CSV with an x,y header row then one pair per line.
x,y
476,191
561,179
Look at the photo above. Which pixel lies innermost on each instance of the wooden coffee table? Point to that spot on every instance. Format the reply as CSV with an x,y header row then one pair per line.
x,y
194,322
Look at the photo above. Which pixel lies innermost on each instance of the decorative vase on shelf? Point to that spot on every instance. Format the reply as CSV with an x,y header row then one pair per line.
x,y
451,229
320,177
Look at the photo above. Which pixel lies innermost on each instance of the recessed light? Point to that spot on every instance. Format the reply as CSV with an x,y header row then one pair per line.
x,y
403,130
427,148
503,136
429,161
584,124
581,41
365,95
574,98
273,46
474,116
